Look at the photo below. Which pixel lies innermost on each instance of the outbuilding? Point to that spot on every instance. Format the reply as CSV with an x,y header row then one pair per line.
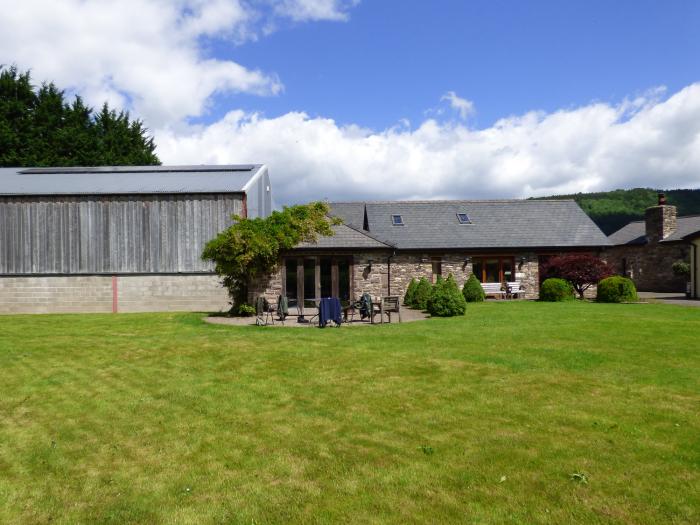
x,y
119,239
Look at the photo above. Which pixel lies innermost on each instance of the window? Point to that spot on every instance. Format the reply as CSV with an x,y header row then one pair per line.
x,y
494,269
463,218
397,220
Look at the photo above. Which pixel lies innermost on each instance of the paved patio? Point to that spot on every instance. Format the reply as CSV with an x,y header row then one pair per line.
x,y
407,316
668,298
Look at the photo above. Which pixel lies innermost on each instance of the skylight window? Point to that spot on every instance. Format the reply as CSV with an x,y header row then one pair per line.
x,y
397,220
463,218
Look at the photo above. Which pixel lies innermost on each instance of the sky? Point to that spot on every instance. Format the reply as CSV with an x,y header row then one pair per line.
x,y
389,99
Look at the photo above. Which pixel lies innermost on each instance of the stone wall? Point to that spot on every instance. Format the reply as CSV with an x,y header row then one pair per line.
x,y
649,265
660,222
402,269
96,293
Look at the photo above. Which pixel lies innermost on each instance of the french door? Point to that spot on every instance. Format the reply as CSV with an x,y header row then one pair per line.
x,y
315,277
494,269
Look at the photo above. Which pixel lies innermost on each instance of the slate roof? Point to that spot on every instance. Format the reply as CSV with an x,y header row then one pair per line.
x,y
635,232
345,237
494,224
127,180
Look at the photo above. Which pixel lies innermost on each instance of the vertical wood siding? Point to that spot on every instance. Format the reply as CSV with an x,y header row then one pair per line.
x,y
110,234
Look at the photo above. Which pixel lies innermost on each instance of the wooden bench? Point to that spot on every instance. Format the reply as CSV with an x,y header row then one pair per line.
x,y
516,288
494,289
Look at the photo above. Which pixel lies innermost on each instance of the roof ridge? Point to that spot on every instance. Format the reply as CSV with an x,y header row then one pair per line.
x,y
437,201
367,234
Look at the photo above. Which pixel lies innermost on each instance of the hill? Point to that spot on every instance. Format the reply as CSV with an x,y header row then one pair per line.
x,y
611,210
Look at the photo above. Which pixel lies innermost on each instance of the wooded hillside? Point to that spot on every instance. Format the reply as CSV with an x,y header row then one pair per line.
x,y
611,210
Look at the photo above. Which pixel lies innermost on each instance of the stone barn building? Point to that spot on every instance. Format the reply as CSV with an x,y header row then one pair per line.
x,y
645,250
382,245
119,239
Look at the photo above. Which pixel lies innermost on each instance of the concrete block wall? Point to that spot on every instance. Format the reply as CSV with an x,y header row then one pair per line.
x,y
96,294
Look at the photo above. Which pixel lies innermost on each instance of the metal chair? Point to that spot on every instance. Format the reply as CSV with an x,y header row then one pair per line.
x,y
264,312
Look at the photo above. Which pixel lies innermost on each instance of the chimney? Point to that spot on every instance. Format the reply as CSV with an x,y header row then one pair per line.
x,y
660,220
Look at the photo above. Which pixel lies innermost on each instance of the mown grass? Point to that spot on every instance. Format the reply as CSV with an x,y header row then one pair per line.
x,y
160,418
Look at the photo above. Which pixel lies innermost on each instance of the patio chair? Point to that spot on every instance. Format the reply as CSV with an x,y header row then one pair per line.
x,y
282,308
350,308
264,312
387,305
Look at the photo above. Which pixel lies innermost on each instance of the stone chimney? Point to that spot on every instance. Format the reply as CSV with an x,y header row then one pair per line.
x,y
660,220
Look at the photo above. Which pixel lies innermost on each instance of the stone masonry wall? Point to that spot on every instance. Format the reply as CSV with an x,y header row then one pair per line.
x,y
405,267
375,281
95,294
649,265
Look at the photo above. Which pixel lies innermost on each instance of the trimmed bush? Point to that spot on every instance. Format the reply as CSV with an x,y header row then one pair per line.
x,y
556,290
446,300
420,298
472,291
410,296
617,289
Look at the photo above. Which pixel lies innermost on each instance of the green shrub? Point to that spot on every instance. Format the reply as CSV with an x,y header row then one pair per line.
x,y
472,291
681,269
446,300
244,310
423,289
555,290
617,289
410,296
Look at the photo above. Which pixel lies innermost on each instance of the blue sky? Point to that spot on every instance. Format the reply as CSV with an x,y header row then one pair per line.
x,y
385,99
395,59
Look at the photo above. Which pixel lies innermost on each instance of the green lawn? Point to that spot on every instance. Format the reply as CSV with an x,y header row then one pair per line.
x,y
160,418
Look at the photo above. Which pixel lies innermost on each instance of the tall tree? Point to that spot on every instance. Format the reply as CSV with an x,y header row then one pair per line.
x,y
39,128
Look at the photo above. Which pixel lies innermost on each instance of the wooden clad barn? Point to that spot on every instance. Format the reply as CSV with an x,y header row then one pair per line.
x,y
119,238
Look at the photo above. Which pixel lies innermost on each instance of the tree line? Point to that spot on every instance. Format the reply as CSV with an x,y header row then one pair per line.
x,y
39,127
611,210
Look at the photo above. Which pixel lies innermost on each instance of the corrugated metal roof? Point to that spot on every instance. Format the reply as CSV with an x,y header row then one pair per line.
x,y
635,233
126,179
494,224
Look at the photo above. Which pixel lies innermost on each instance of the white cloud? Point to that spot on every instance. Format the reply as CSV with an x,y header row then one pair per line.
x,y
595,147
148,56
303,10
461,105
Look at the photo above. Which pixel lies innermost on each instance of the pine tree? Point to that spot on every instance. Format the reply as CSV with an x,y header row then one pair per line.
x,y
39,128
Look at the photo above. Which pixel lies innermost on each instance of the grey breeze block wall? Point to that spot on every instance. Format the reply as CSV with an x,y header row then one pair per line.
x,y
60,253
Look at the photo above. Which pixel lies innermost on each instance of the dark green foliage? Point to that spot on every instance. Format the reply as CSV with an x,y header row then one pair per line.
x,y
555,290
446,300
681,269
250,248
472,290
409,297
611,210
39,128
245,310
423,290
617,289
